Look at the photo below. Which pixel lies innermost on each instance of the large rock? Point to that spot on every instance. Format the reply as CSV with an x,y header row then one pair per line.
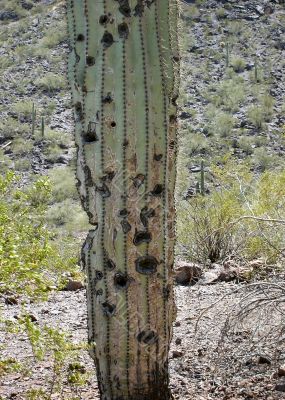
x,y
8,15
72,286
187,273
229,271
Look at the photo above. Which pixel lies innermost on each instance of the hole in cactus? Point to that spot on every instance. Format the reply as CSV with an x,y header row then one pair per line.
x,y
123,212
90,136
78,109
121,281
90,61
157,157
139,8
103,19
99,292
166,292
176,58
98,275
103,190
113,124
126,226
123,30
173,100
138,180
172,145
108,98
88,176
172,118
125,8
110,265
108,309
146,265
107,40
80,37
147,337
109,176
146,214
157,190
142,237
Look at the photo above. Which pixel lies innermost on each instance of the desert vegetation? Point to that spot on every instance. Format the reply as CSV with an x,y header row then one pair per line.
x,y
229,200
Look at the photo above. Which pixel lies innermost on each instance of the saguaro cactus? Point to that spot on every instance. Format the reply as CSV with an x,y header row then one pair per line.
x,y
123,73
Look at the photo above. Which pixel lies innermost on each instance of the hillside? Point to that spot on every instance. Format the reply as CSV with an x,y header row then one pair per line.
x,y
230,197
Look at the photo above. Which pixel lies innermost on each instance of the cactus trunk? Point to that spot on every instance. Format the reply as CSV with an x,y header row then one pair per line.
x,y
124,76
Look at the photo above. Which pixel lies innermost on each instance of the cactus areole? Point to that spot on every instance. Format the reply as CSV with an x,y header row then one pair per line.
x,y
124,78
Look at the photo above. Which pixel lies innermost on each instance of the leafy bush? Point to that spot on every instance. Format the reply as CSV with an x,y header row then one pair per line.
x,y
63,184
29,260
51,82
256,116
229,93
222,124
67,215
238,64
243,217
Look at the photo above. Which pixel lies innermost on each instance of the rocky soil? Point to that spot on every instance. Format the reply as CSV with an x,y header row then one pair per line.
x,y
198,363
199,367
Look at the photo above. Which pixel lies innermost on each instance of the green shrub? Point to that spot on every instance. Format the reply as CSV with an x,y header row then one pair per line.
x,y
236,219
24,108
238,64
11,127
21,146
63,184
53,36
221,13
198,144
5,62
263,160
51,82
256,116
229,93
222,124
67,216
29,260
246,144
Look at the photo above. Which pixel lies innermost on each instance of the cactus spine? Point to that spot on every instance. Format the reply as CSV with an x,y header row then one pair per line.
x,y
124,78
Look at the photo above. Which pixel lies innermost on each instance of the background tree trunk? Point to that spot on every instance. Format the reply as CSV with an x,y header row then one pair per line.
x,y
123,73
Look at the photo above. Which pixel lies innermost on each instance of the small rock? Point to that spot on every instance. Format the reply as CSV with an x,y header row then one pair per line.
x,y
260,10
178,341
195,168
268,9
62,160
184,115
8,15
177,323
187,273
279,44
281,370
264,360
11,301
32,317
177,354
26,5
280,387
72,286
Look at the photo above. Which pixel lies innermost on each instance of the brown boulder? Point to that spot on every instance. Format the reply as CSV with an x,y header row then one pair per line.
x,y
187,273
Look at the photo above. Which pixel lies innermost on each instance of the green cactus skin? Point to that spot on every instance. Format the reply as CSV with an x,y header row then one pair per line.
x,y
43,127
124,78
34,116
